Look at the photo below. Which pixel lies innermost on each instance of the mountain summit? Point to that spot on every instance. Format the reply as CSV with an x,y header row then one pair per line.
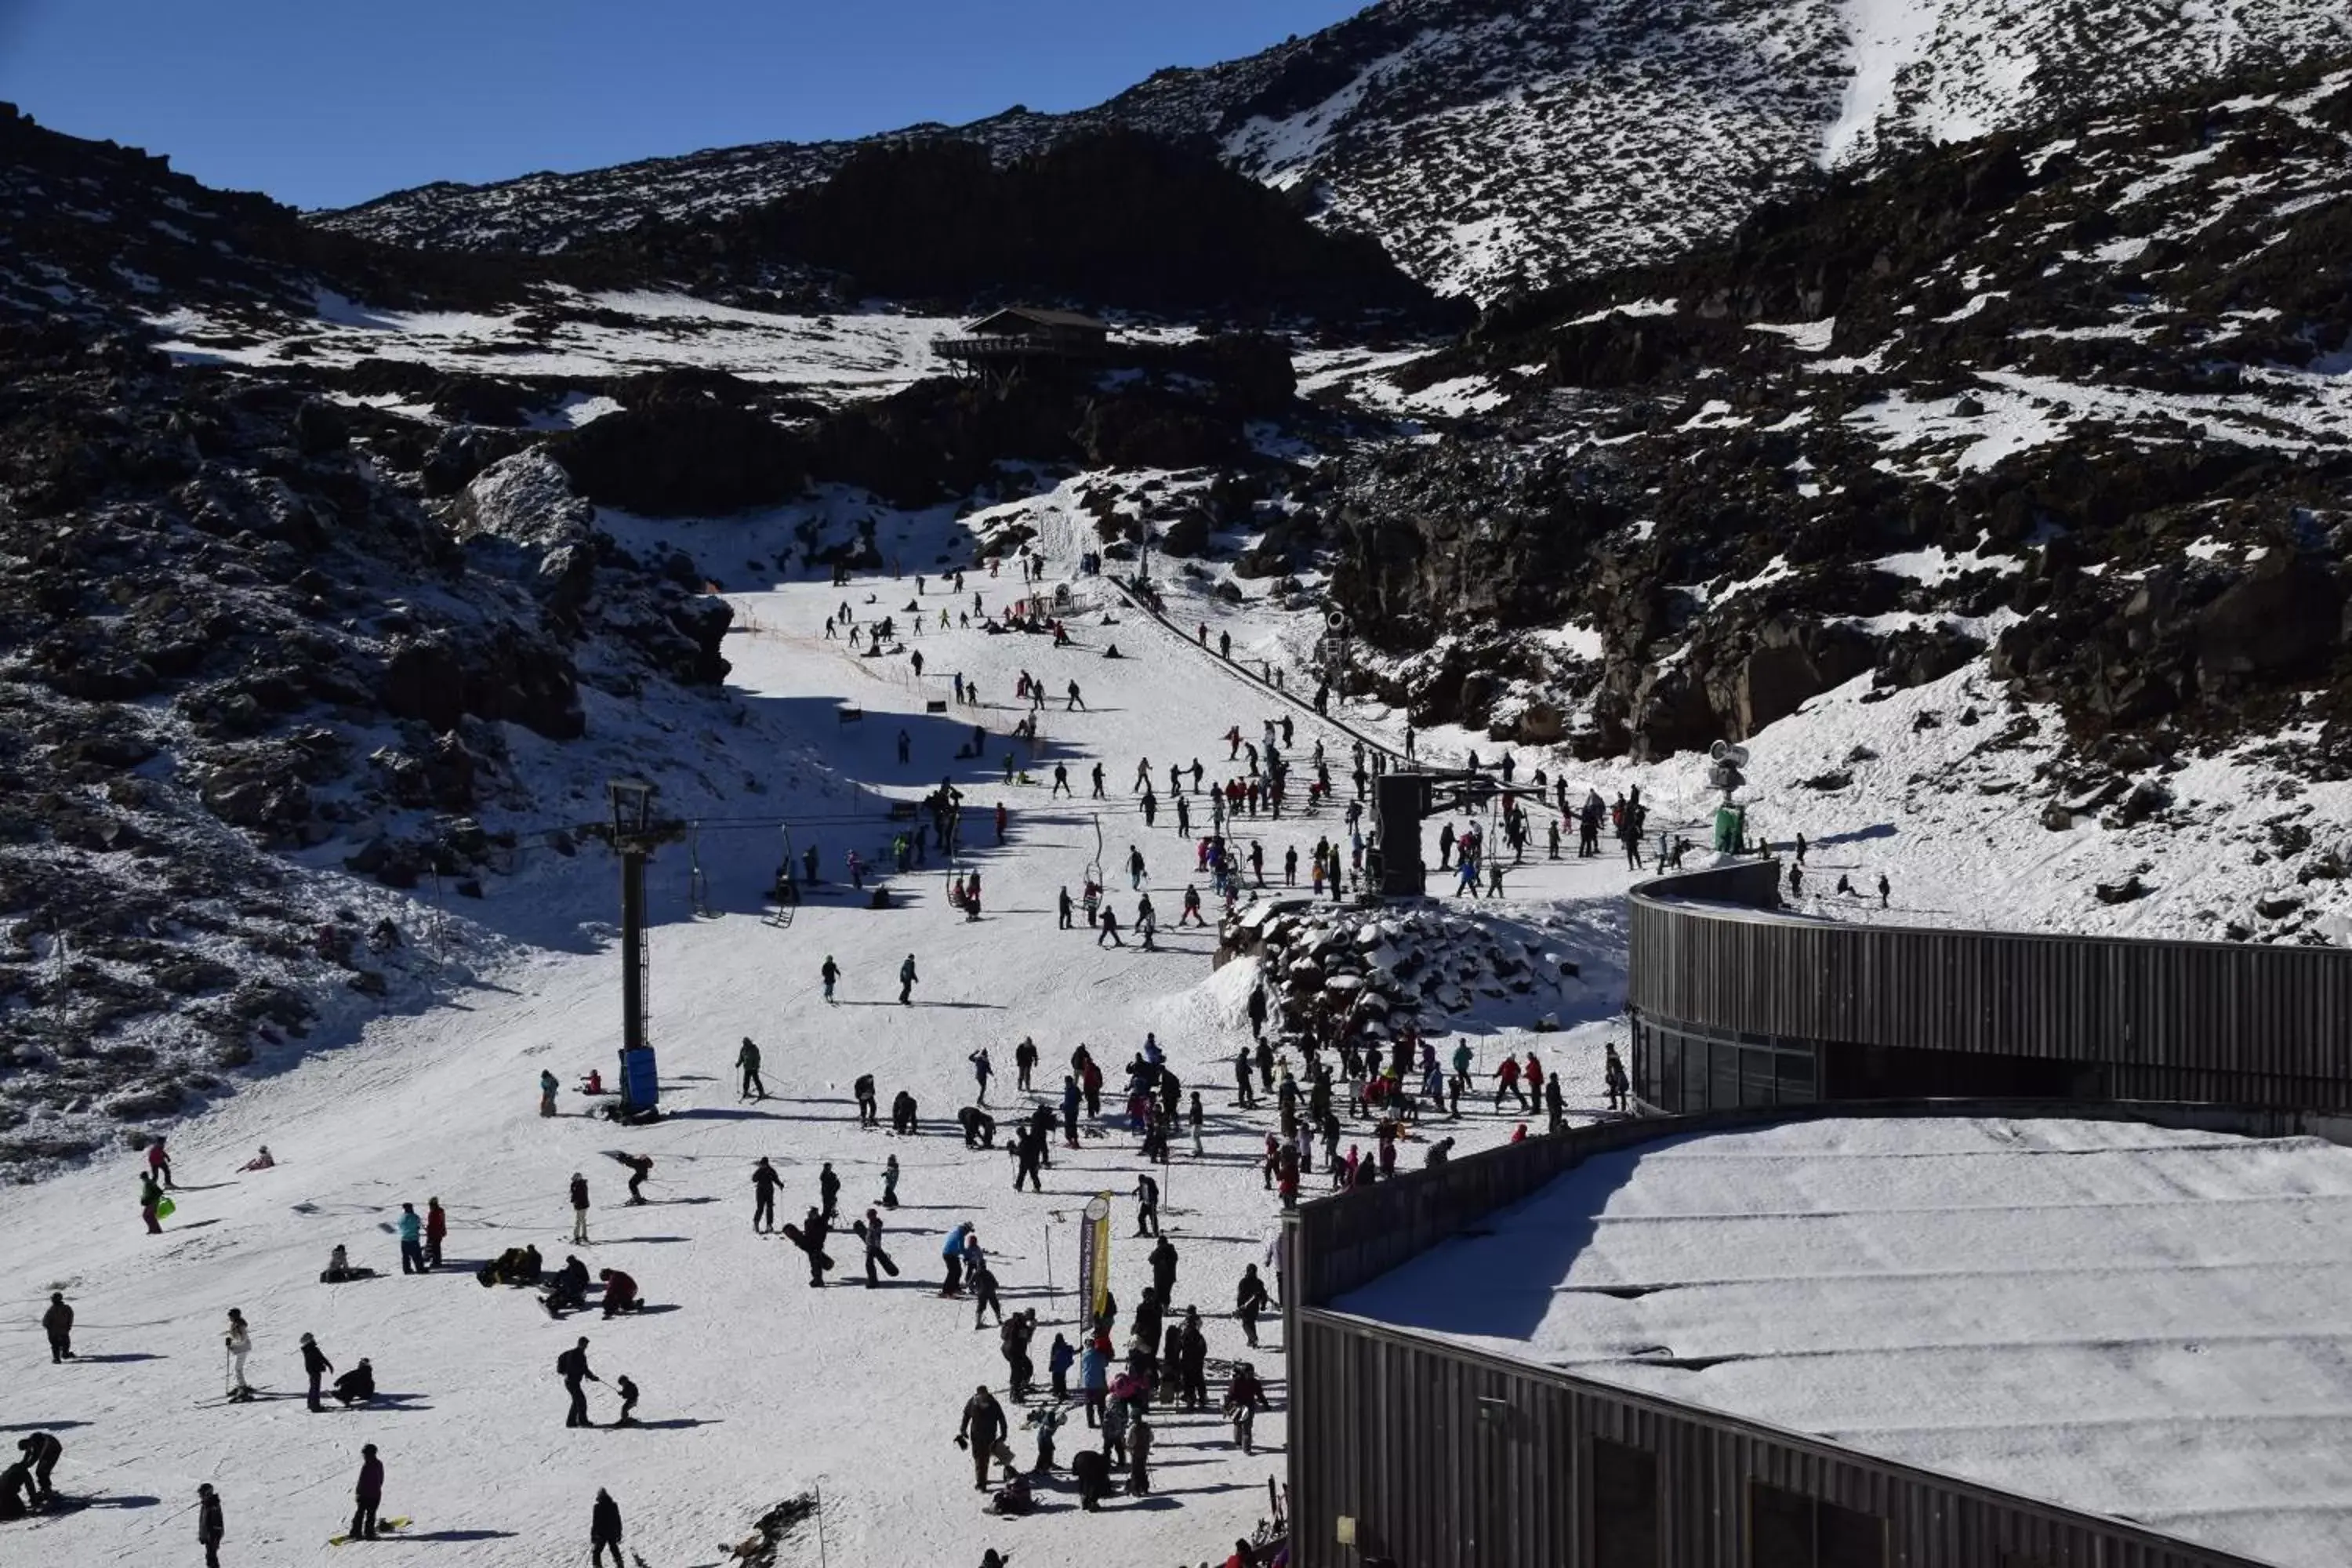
x,y
1496,145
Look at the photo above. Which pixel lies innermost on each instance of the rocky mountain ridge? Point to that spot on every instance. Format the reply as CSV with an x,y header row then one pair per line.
x,y
1494,146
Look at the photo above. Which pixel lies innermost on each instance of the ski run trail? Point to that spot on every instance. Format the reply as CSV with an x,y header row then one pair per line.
x,y
756,1388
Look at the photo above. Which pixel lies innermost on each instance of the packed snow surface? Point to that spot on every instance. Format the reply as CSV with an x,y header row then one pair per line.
x,y
2114,1317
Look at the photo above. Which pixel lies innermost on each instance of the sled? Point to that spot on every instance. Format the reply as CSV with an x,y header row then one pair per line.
x,y
382,1526
166,1209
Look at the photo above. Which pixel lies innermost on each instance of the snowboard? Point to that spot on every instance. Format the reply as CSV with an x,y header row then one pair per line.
x,y
382,1526
792,1235
165,1209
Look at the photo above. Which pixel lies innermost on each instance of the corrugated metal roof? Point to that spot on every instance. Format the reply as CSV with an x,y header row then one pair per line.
x,y
1041,318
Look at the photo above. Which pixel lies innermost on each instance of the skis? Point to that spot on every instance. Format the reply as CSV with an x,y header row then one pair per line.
x,y
382,1526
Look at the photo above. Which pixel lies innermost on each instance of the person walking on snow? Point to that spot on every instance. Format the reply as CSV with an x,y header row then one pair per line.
x,y
1249,1300
159,1164
982,1070
151,1198
906,978
981,1431
829,973
747,1062
1147,1204
1134,867
210,1529
579,1209
1109,929
58,1324
604,1529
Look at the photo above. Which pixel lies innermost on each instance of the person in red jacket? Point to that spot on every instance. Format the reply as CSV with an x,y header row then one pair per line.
x,y
1506,1081
620,1291
1535,1077
437,1225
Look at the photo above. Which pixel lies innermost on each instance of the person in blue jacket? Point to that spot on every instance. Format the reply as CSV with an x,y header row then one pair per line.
x,y
951,1251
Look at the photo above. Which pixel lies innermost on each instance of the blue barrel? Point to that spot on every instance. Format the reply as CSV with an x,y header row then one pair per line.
x,y
640,1083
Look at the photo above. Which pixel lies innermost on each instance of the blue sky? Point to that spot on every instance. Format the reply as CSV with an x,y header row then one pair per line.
x,y
327,102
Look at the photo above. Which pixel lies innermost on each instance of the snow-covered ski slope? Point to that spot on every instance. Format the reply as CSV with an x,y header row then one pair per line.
x,y
2118,1318
756,1388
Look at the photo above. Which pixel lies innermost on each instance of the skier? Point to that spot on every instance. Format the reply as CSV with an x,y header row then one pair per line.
x,y
1109,929
604,1520
239,1341
573,1367
369,1494
951,1255
906,978
411,1226
765,1182
315,1366
41,1452
58,1323
829,973
1147,1204
628,1393
746,1061
210,1530
579,1209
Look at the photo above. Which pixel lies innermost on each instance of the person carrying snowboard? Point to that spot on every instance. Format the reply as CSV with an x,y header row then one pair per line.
x,y
811,1241
765,1182
746,1061
869,1232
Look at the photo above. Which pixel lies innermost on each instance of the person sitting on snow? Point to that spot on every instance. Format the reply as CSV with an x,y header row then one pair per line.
x,y
356,1386
260,1161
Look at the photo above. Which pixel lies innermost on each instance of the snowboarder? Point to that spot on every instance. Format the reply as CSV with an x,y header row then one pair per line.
x,y
811,1240
746,1061
765,1182
604,1520
573,1367
368,1495
579,1209
315,1366
210,1529
58,1323
906,978
869,1232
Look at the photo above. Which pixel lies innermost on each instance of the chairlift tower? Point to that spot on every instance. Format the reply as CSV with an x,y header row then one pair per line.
x,y
636,833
